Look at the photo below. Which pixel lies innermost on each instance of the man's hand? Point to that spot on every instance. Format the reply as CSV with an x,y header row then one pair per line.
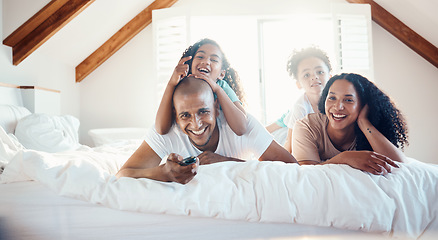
x,y
208,157
178,173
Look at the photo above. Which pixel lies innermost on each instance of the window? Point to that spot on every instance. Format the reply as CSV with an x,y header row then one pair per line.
x,y
279,38
258,47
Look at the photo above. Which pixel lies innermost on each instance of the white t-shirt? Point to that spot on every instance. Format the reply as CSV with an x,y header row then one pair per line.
x,y
301,108
249,146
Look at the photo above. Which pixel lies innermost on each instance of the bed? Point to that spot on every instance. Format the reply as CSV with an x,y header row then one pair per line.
x,y
71,193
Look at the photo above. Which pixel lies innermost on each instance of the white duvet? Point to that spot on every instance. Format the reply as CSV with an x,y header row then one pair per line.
x,y
402,203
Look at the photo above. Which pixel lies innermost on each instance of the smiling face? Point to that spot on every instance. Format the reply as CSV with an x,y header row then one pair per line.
x,y
312,75
342,105
196,112
207,61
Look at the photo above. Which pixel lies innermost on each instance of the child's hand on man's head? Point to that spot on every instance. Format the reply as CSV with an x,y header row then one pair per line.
x,y
210,81
181,70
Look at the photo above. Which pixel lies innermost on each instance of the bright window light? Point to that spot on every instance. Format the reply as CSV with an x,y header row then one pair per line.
x,y
278,40
246,40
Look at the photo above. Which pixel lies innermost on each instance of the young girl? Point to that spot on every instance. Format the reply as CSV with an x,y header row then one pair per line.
x,y
205,60
358,125
311,69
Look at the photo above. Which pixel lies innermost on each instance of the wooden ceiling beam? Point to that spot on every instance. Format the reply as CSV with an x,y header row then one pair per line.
x,y
33,23
402,32
43,25
119,39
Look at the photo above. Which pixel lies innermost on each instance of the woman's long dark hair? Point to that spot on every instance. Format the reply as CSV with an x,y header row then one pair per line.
x,y
231,76
382,111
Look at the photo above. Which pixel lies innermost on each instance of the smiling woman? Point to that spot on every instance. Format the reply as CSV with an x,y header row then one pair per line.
x,y
354,115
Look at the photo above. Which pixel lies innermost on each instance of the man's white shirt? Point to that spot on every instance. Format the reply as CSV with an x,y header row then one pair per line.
x,y
249,146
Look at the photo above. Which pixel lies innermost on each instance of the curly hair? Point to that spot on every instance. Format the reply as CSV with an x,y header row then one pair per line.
x,y
231,76
299,55
383,113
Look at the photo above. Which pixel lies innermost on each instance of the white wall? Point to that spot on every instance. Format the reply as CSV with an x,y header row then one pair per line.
x,y
119,92
38,69
412,82
409,79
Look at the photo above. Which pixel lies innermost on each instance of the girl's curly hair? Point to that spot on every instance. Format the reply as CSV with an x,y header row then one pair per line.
x,y
383,113
231,76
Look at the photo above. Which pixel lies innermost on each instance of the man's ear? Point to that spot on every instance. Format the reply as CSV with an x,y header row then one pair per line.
x,y
173,113
216,107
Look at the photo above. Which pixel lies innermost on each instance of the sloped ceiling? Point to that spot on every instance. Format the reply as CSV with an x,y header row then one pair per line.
x,y
88,30
105,26
43,25
119,39
402,32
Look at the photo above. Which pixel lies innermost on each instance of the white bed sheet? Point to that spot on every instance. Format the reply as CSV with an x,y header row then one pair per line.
x,y
29,210
400,204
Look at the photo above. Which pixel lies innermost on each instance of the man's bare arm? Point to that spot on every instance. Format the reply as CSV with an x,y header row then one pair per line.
x,y
275,152
209,157
144,163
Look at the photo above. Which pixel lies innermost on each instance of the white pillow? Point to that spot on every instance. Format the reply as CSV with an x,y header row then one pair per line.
x,y
48,133
10,115
9,147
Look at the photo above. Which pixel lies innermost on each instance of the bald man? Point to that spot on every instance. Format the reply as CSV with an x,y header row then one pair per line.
x,y
201,130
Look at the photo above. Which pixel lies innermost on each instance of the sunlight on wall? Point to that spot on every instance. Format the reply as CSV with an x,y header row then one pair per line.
x,y
246,40
279,39
240,49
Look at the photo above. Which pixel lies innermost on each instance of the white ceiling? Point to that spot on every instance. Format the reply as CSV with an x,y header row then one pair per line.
x,y
85,33
420,15
97,23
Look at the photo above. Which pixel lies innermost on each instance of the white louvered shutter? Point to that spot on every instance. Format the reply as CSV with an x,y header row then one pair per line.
x,y
170,31
353,39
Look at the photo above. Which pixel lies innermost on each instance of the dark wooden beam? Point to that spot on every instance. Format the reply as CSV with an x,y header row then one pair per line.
x,y
43,25
402,32
33,23
119,39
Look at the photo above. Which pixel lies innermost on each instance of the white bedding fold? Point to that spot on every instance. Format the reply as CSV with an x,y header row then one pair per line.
x,y
401,203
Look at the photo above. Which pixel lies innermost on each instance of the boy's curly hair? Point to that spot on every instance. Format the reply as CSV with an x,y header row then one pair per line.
x,y
299,55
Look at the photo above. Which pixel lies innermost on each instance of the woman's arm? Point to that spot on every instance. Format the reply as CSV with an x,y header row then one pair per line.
x,y
367,161
303,144
377,140
306,152
163,119
288,144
